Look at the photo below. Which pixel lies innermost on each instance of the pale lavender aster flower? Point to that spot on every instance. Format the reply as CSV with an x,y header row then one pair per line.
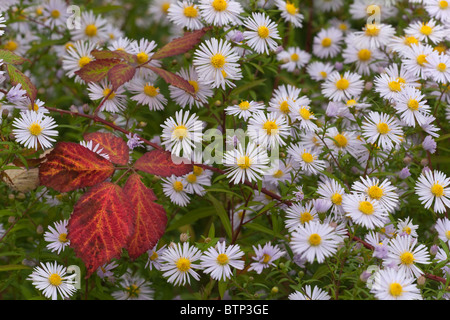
x,y
429,144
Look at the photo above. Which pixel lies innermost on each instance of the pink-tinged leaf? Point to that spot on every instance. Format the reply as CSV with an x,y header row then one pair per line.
x,y
97,70
115,147
17,77
71,166
150,218
100,225
10,57
173,79
117,54
159,162
120,74
180,45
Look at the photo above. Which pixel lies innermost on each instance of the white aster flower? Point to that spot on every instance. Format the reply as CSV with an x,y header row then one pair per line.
x,y
391,284
309,294
290,12
34,129
175,188
265,257
154,257
57,236
412,106
268,130
433,186
146,93
383,192
298,214
133,287
364,211
261,34
245,109
113,101
339,87
185,14
293,58
327,43
218,261
382,129
220,12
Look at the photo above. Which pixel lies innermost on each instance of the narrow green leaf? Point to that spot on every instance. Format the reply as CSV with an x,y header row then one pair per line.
x,y
220,211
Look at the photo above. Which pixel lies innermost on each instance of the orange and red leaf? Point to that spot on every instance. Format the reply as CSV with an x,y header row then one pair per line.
x,y
112,145
159,162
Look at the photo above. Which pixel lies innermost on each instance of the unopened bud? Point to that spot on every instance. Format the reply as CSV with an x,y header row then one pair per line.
x,y
86,108
187,55
11,219
21,196
218,103
40,229
421,280
207,240
174,62
407,160
5,113
11,196
424,162
142,124
234,102
301,274
364,276
73,108
251,278
184,237
274,290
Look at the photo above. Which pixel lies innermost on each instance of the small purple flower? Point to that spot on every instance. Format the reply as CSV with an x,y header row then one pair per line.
x,y
338,66
322,205
16,94
133,141
238,36
404,173
429,144
299,195
434,249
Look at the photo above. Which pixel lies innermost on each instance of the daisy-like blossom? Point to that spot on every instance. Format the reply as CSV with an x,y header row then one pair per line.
x,y
245,109
143,49
415,58
303,114
374,35
319,71
437,67
120,44
339,87
328,5
248,162
433,186
55,12
175,188
364,57
391,284
309,294
159,10
298,214
407,227
314,240
78,55
438,9
393,81
268,129
52,280
307,159
262,33
179,262
154,257
364,211
57,236
182,134
195,182
113,100
443,228
405,254
201,88
220,12
412,106
290,12
93,28
293,58
382,129
216,63
330,189
265,257
133,287
34,129
104,272
16,94
218,261
428,31
146,93
25,104
185,14
327,43
383,192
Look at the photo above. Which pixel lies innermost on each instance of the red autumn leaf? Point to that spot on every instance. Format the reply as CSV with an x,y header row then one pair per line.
x,y
100,225
120,74
180,45
117,54
173,79
112,145
150,218
70,166
96,70
159,162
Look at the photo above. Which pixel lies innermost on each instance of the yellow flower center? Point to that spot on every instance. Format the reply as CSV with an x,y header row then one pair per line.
x,y
413,104
178,186
244,162
364,54
407,230
219,5
222,259
366,207
263,32
55,279
142,57
109,92
284,107
443,4
218,60
191,178
33,107
341,140
84,61
407,258
351,102
133,291
323,74
441,67
314,239
305,113
271,127
180,132
39,11
198,170
165,7
151,91
63,238
294,57
91,30
447,234
154,256
336,199
411,40
422,59
290,8
395,85
278,174
266,258
35,129
190,12
244,105
11,45
68,45
383,128
372,30
395,289
55,14
437,190
426,30
194,84
183,264
375,192
342,84
343,26
305,217
326,42
307,157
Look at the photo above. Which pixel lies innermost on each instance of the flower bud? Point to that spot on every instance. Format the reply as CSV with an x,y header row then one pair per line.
x,y
184,237
218,103
11,219
421,280
274,290
40,229
424,162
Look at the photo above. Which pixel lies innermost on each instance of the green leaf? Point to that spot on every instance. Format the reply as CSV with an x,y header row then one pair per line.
x,y
97,70
321,272
17,77
212,231
191,217
220,211
247,86
257,227
222,288
11,267
11,58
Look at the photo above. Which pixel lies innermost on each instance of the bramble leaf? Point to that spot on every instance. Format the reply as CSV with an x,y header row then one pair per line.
x,y
112,145
159,162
